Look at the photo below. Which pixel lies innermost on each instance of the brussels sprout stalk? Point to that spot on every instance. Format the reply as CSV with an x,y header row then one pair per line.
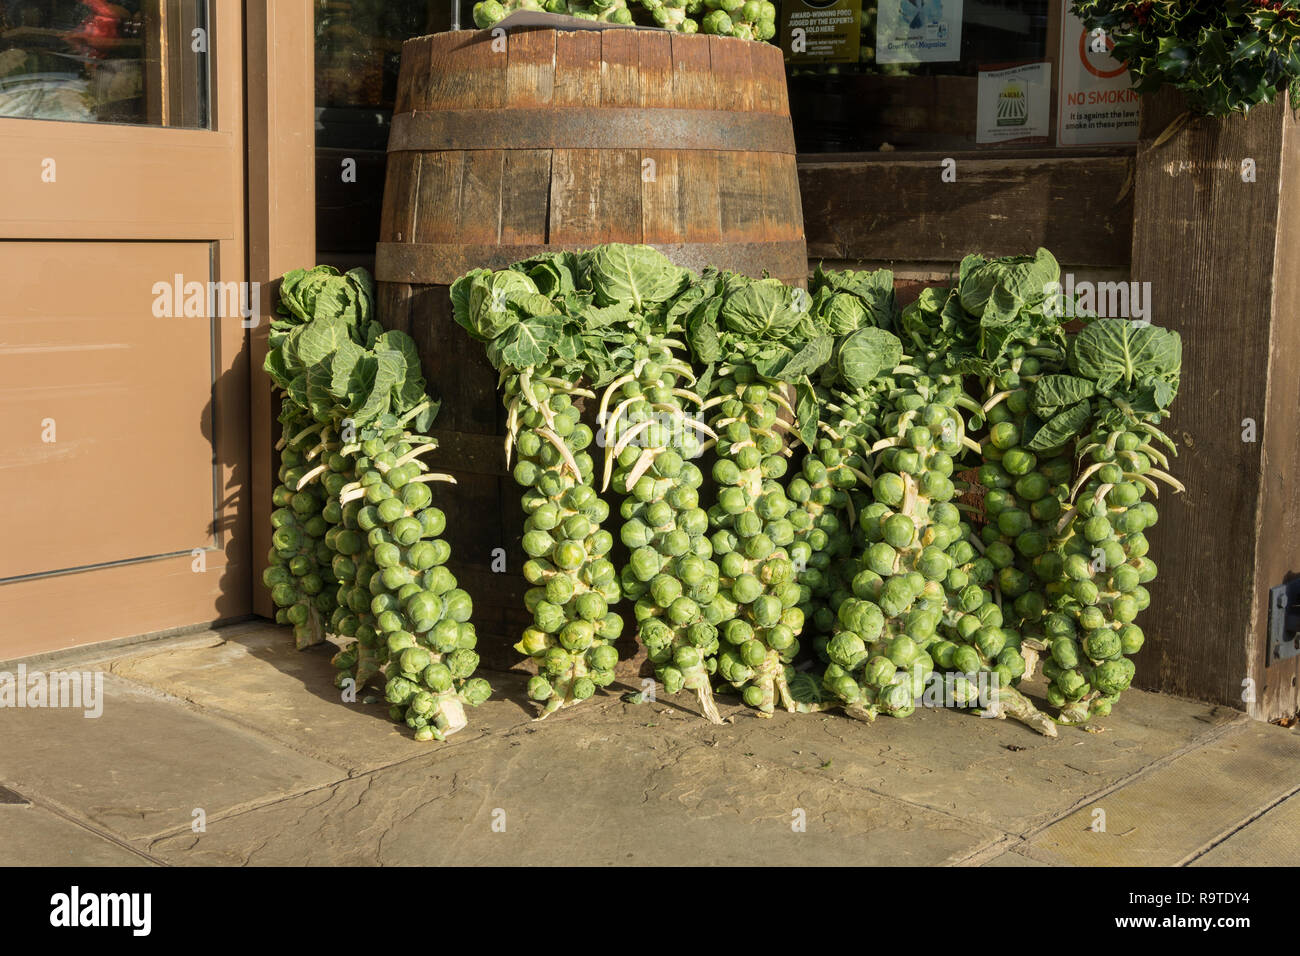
x,y
397,597
920,601
752,535
670,575
395,603
824,516
299,573
1102,550
574,583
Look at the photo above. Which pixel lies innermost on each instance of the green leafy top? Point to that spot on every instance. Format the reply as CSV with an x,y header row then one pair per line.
x,y
873,292
1140,364
323,292
331,357
1225,55
637,277
867,354
997,291
577,313
1122,371
937,322
997,313
760,322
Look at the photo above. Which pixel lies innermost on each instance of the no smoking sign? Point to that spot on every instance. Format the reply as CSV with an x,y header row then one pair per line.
x,y
1097,105
1094,54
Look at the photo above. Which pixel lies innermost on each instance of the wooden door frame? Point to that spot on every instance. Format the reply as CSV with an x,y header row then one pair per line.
x,y
143,163
279,51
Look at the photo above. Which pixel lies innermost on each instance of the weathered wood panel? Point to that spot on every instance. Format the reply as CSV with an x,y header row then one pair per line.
x,y
896,209
1222,258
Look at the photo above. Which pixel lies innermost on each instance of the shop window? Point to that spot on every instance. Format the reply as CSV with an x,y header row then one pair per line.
x,y
870,76
140,62
358,56
883,75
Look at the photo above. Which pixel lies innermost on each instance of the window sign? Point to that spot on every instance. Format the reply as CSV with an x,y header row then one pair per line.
x,y
1014,104
1097,102
821,31
918,31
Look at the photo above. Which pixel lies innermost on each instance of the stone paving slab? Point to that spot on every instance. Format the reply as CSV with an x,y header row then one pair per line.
x,y
1273,838
33,836
1169,814
992,772
594,789
258,678
144,765
251,730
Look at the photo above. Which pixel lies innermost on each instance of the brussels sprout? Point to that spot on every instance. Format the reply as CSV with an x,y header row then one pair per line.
x,y
847,650
539,688
399,690
462,663
1111,677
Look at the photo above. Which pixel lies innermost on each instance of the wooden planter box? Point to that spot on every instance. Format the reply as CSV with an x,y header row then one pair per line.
x,y
1222,254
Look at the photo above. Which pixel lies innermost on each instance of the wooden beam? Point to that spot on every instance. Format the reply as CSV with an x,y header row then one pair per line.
x,y
900,210
281,99
1222,255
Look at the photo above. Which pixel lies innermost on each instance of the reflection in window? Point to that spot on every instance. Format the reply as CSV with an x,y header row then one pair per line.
x,y
358,56
142,62
883,101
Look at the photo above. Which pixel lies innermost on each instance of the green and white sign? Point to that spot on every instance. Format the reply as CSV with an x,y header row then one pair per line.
x,y
1014,104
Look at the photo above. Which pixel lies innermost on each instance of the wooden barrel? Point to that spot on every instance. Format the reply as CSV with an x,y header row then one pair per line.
x,y
504,147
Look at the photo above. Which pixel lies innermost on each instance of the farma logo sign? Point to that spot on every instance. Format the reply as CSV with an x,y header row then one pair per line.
x,y
1013,104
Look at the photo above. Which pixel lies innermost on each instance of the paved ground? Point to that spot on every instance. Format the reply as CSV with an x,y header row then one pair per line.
x,y
230,748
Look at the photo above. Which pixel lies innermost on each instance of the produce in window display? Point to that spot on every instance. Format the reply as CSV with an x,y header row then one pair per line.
x,y
488,13
677,15
744,19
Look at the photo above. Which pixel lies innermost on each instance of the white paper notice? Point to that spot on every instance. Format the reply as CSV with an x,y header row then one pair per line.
x,y
918,31
1015,103
1097,103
